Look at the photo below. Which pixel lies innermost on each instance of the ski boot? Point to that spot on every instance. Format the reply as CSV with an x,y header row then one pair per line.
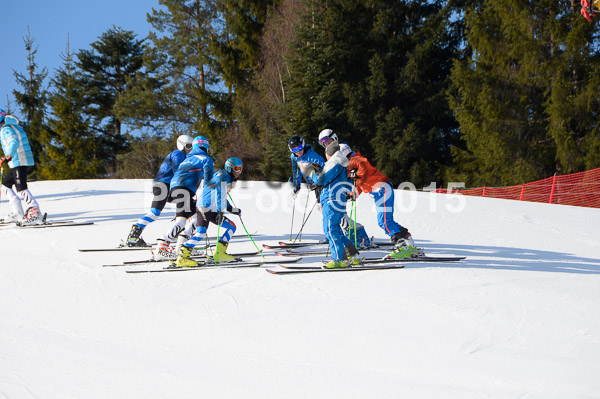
x,y
134,239
404,246
184,258
221,256
17,215
351,258
163,251
32,217
336,264
362,238
181,239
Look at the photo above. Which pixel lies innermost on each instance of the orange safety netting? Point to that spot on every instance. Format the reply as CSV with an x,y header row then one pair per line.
x,y
577,189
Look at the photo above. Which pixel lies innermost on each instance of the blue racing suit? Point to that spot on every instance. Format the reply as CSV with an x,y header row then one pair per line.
x,y
197,166
304,166
336,184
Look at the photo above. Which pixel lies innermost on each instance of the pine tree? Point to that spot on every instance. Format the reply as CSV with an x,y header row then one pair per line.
x,y
377,73
33,101
526,94
72,154
107,70
184,31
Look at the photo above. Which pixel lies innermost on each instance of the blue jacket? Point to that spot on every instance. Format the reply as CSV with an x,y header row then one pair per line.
x,y
213,196
306,166
169,166
197,166
15,143
334,179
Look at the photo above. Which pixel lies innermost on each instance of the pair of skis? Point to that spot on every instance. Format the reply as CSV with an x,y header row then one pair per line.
x,y
366,264
45,223
208,264
195,257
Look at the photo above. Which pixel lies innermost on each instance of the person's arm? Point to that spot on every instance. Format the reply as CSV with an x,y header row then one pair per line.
x,y
11,141
177,157
296,178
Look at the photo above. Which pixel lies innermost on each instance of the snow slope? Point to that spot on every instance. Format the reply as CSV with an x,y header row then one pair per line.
x,y
519,318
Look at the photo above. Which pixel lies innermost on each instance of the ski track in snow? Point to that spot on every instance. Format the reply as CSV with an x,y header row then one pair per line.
x,y
518,318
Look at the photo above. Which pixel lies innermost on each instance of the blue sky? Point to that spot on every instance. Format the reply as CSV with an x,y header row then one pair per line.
x,y
51,23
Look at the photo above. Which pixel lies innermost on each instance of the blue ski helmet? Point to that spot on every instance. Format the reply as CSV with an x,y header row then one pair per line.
x,y
234,164
201,142
2,115
296,144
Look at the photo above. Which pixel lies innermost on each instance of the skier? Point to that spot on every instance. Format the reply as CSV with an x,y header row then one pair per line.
x,y
370,180
327,137
305,161
198,166
17,152
160,189
334,179
214,202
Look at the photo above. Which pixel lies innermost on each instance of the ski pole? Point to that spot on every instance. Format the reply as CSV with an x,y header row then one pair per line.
x,y
218,237
305,206
293,211
355,212
246,230
306,220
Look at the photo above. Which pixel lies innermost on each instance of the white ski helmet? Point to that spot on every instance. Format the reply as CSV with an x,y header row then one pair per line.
x,y
184,142
326,136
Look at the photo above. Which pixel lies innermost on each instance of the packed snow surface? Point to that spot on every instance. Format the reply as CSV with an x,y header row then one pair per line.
x,y
519,318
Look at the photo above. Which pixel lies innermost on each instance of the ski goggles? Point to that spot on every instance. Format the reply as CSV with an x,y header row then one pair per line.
x,y
297,149
325,140
237,169
188,146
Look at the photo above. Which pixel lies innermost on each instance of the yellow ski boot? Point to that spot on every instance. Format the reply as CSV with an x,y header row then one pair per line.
x,y
221,256
184,258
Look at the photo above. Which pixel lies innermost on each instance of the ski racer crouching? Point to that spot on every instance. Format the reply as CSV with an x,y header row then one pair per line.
x,y
214,202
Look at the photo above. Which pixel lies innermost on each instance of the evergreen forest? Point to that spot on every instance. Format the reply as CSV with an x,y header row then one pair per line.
x,y
494,92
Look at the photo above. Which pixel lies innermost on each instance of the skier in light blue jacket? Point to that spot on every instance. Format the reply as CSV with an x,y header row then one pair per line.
x,y
212,205
18,155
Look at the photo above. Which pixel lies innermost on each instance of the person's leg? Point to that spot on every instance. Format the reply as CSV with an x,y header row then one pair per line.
x,y
17,213
384,204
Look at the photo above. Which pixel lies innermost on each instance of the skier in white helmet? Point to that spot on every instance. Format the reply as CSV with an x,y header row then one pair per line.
x,y
326,138
160,189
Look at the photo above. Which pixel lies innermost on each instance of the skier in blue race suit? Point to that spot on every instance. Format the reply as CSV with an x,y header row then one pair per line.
x,y
214,203
336,186
18,155
304,161
160,189
198,166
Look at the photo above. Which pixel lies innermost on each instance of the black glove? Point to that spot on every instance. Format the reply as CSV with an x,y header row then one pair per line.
x,y
318,190
220,218
351,196
295,192
236,211
353,174
5,159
